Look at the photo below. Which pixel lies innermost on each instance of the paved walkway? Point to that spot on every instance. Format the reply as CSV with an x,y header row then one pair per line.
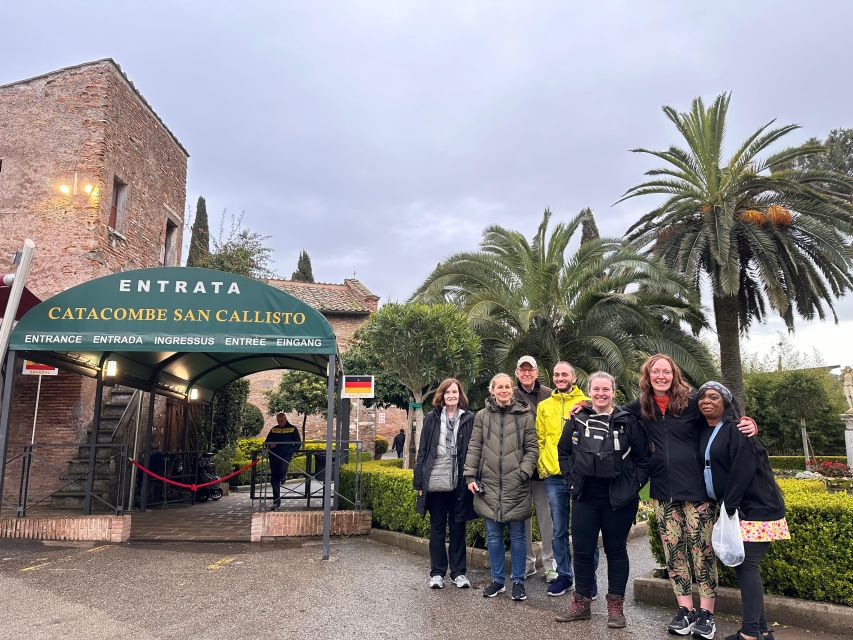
x,y
367,590
228,519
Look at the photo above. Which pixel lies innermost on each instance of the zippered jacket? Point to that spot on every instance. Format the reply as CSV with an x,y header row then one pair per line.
x,y
551,416
741,474
633,472
501,458
426,458
675,466
533,397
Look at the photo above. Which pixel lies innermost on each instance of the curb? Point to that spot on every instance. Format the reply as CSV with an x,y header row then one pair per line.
x,y
808,614
476,558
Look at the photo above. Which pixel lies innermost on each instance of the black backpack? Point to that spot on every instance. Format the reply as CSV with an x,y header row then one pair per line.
x,y
597,448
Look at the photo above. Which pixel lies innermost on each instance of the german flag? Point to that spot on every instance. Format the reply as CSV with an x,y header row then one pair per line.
x,y
358,385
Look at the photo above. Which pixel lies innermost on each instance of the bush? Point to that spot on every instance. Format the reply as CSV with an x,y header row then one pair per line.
x,y
386,489
252,420
817,562
246,448
831,469
381,445
798,463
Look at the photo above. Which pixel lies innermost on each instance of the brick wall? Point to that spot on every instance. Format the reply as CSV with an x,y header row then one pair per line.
x,y
90,121
284,524
86,120
102,528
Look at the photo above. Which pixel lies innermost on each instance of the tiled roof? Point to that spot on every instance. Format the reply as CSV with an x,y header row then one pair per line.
x,y
329,298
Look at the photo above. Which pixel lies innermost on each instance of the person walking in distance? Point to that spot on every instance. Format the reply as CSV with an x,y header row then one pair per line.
x,y
529,390
399,443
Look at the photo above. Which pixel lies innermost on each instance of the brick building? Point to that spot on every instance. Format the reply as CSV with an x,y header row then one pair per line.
x,y
346,306
91,173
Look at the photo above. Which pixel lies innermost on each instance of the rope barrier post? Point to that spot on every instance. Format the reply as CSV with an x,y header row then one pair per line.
x,y
327,484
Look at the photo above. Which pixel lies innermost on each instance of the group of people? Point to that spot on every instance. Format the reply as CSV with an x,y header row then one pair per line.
x,y
578,458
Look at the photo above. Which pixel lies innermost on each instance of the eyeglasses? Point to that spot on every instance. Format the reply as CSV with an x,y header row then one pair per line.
x,y
661,372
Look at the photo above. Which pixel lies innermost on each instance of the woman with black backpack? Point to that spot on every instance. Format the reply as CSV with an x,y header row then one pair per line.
x,y
602,455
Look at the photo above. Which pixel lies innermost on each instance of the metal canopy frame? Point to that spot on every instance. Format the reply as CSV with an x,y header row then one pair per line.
x,y
173,373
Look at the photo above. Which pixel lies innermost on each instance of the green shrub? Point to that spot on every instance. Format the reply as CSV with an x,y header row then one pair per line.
x,y
386,489
251,421
246,448
798,463
381,445
817,562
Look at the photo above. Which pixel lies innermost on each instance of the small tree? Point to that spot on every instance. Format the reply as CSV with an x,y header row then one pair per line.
x,y
303,271
299,392
421,344
227,413
199,251
252,421
239,250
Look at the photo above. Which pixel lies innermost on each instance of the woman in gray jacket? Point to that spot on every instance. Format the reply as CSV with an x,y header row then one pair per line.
x,y
501,459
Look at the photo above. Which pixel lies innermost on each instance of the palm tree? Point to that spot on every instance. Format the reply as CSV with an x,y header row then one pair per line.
x,y
604,307
760,232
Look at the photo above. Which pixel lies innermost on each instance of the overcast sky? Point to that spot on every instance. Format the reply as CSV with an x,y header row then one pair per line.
x,y
383,136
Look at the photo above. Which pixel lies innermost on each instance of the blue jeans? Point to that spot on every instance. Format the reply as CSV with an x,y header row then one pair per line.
x,y
517,549
558,501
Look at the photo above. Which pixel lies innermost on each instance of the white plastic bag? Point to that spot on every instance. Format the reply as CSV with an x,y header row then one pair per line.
x,y
726,538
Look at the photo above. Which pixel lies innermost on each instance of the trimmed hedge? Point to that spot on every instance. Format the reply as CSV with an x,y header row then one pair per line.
x,y
798,463
817,562
386,489
247,447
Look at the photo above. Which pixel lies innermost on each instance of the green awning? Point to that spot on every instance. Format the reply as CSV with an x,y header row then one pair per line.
x,y
176,328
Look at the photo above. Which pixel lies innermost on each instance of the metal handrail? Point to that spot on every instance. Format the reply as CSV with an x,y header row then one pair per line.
x,y
28,454
121,421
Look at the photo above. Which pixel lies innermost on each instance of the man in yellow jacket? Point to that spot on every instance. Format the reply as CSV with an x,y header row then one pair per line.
x,y
551,414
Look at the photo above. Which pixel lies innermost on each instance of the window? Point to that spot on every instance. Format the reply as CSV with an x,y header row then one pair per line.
x,y
170,248
118,205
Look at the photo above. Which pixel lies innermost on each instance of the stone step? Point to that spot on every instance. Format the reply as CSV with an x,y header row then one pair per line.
x,y
103,486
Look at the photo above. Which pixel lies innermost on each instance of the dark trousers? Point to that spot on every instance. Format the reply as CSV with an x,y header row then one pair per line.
x,y
399,453
278,472
442,512
752,589
614,525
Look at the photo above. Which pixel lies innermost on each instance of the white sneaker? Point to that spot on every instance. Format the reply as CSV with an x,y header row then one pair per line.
x,y
462,582
436,582
551,575
531,571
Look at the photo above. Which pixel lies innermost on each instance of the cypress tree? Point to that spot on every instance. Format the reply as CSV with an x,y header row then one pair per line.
x,y
303,271
200,240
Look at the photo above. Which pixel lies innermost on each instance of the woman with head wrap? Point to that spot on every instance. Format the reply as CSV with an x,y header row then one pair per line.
x,y
737,474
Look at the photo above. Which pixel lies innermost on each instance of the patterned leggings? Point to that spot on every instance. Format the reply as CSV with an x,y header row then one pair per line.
x,y
685,531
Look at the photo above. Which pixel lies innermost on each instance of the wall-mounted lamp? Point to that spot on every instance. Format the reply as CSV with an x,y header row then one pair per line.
x,y
64,189
193,394
88,189
112,369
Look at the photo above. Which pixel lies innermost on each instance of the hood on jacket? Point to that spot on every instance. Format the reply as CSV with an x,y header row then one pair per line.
x,y
516,406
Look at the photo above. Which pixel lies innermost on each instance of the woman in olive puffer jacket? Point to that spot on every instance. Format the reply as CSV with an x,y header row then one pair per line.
x,y
501,459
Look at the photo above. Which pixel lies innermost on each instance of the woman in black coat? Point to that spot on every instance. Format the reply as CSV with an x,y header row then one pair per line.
x,y
738,475
440,482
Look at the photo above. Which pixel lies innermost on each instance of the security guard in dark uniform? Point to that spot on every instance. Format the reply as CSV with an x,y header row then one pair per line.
x,y
282,441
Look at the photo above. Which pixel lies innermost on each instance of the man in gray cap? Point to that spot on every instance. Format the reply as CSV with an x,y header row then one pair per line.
x,y
531,391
